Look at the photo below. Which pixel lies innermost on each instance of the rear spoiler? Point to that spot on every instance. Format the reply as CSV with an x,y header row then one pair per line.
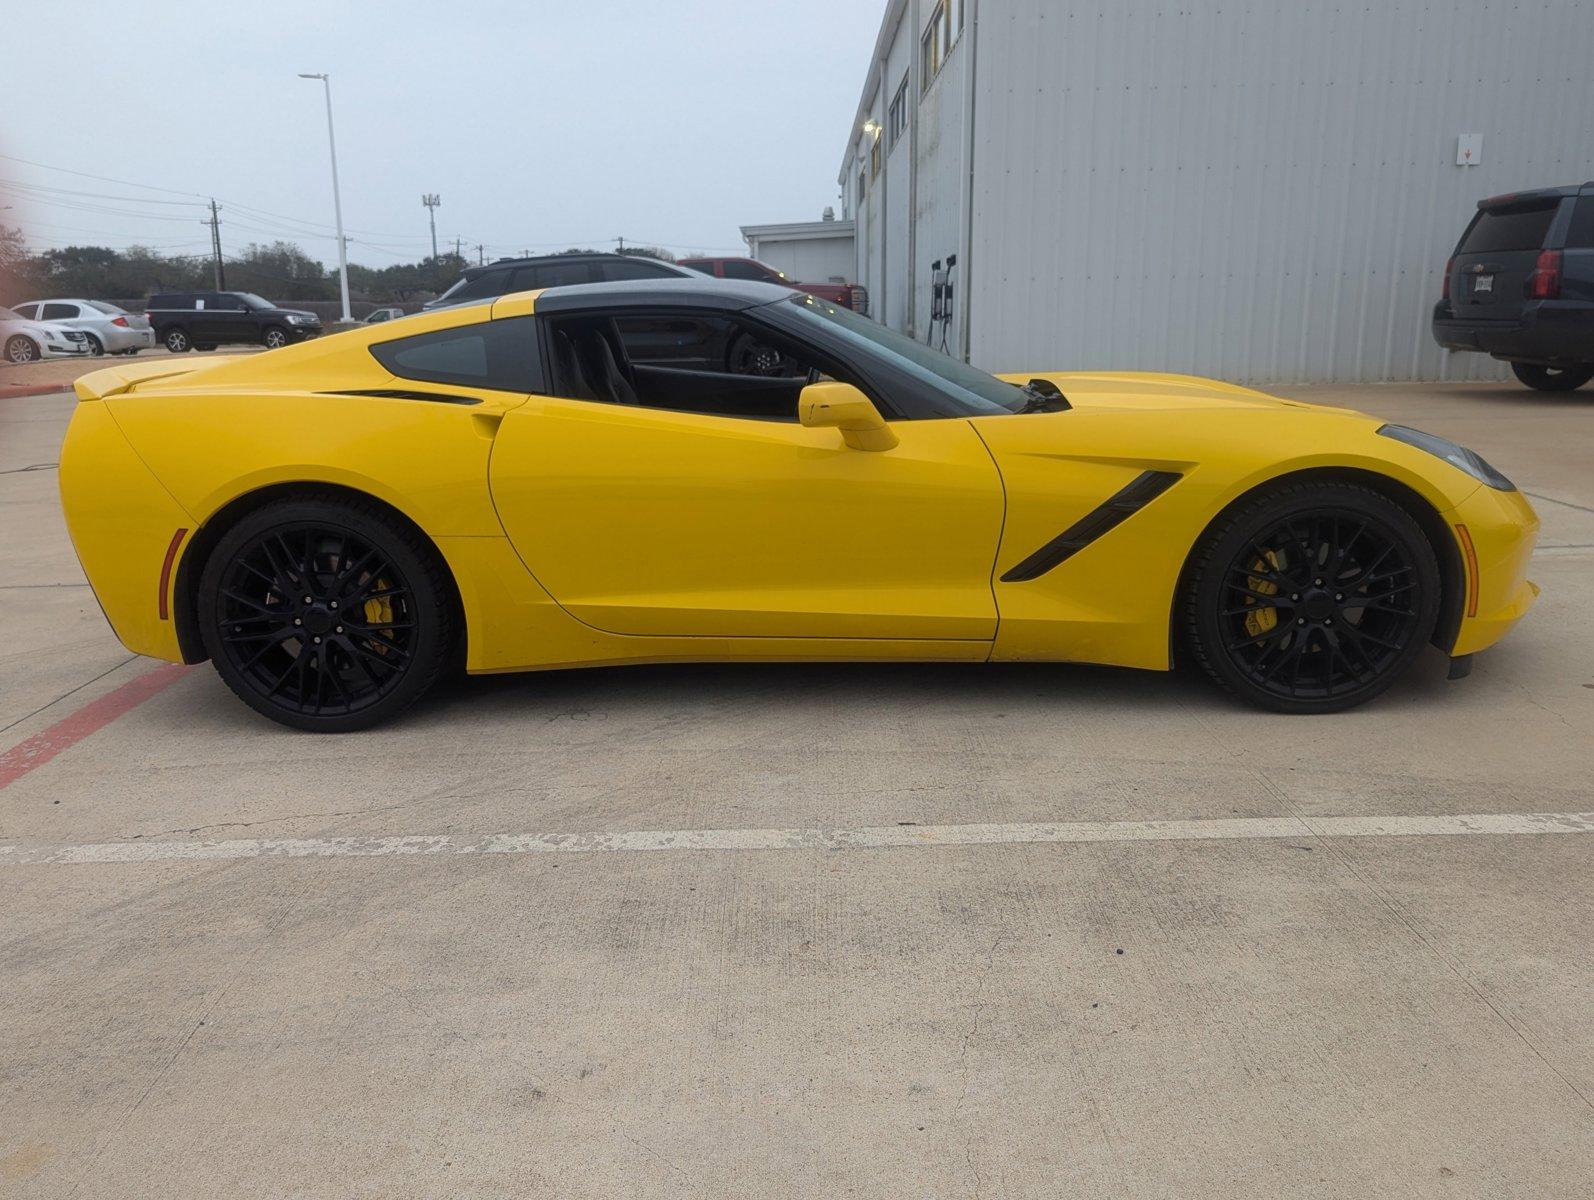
x,y
113,381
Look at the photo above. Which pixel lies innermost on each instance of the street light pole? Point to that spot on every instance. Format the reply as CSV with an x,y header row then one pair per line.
x,y
337,202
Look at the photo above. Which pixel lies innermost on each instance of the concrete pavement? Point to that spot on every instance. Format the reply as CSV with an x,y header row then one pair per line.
x,y
1283,1008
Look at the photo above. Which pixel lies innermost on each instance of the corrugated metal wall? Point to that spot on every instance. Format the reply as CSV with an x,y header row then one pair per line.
x,y
1252,189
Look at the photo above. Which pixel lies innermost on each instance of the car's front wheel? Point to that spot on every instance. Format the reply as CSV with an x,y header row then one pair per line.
x,y
20,349
274,338
178,341
1552,379
96,347
326,613
1311,597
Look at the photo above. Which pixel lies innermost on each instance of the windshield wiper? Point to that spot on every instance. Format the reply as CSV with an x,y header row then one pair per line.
x,y
1043,396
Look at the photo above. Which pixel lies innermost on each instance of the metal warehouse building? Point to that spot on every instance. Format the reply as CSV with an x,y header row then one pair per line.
x,y
1253,189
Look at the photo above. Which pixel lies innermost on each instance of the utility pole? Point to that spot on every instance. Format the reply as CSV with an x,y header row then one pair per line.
x,y
621,240
431,200
457,254
337,202
480,256
215,245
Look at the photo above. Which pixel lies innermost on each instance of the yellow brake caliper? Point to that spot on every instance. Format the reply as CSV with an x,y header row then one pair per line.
x,y
379,611
1263,617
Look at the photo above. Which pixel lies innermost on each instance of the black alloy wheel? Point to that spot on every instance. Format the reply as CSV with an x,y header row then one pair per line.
x,y
325,615
1552,379
1312,597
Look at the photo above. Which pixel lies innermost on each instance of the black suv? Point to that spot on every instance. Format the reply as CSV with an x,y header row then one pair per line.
x,y
553,270
1520,286
205,320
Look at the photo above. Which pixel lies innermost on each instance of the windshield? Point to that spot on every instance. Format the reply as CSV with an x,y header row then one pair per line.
x,y
254,301
979,394
108,309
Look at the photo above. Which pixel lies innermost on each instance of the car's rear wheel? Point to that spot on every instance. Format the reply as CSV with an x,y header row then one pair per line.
x,y
1311,597
274,338
178,341
1552,379
20,349
326,613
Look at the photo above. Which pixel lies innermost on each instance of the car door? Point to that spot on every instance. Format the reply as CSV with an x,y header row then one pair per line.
x,y
61,312
652,521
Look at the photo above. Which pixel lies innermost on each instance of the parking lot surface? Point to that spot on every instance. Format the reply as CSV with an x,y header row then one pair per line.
x,y
873,931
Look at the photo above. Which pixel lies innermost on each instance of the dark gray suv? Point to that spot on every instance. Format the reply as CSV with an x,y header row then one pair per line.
x,y
1520,286
553,270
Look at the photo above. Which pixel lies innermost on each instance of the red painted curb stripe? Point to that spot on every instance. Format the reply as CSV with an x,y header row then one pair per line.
x,y
91,718
6,390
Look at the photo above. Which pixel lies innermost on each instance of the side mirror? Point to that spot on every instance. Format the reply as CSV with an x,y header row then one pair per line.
x,y
843,407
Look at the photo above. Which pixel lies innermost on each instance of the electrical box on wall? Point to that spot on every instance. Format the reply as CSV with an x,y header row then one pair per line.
x,y
1469,149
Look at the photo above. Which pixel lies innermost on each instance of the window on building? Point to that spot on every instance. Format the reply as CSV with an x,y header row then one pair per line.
x,y
954,19
874,155
897,117
932,47
863,189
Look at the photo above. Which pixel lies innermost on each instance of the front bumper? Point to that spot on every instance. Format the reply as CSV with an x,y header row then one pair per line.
x,y
63,350
1495,533
1548,331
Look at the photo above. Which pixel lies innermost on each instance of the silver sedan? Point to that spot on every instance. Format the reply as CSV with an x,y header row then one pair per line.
x,y
107,328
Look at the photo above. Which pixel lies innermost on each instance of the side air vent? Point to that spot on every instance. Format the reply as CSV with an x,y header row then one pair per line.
x,y
405,394
1138,493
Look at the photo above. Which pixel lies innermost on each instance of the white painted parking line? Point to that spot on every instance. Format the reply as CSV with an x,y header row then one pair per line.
x,y
880,837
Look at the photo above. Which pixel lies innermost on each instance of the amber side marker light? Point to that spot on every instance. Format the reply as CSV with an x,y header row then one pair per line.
x,y
164,604
1472,569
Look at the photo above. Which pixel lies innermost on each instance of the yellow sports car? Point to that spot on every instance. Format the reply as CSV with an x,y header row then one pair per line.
x,y
683,469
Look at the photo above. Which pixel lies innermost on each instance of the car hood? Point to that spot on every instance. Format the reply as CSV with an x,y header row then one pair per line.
x,y
1150,390
292,312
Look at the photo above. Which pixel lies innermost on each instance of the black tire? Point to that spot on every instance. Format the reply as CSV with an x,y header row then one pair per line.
x,y
203,349
96,347
176,340
1552,379
308,665
1311,597
274,337
21,349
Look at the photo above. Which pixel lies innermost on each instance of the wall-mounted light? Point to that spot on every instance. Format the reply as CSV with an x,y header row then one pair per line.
x,y
872,128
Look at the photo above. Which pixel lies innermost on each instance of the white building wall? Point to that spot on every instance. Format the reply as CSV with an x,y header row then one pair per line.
x,y
1241,188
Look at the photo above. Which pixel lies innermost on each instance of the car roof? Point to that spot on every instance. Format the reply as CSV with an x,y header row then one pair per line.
x,y
537,259
695,291
1528,196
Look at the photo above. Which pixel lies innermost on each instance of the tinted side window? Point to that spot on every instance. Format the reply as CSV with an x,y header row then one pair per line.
x,y
706,267
747,270
1519,228
612,271
29,311
488,283
491,354
547,275
1581,235
58,312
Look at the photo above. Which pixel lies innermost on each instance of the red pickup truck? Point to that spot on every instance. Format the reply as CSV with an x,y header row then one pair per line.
x,y
848,295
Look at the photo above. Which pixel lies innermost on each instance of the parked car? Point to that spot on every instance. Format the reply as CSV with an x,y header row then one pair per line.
x,y
26,341
204,320
1520,286
376,316
108,329
848,295
552,270
530,493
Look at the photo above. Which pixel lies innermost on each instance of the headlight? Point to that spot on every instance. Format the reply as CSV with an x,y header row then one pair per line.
x,y
1457,456
296,319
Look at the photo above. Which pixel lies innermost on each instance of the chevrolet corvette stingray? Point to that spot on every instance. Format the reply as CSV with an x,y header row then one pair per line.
x,y
680,469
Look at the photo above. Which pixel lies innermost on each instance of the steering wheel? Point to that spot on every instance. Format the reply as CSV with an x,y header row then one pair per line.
x,y
747,355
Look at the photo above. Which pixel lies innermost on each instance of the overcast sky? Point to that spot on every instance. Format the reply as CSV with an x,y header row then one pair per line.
x,y
542,124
